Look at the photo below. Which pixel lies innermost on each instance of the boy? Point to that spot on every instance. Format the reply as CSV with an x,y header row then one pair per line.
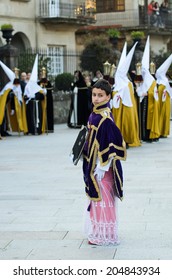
x,y
102,169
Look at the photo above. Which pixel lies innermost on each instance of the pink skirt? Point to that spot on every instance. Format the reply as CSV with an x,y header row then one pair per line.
x,y
101,221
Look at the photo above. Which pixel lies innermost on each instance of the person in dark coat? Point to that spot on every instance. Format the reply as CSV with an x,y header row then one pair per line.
x,y
79,111
45,83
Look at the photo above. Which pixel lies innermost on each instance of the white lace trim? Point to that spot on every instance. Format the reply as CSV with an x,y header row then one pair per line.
x,y
101,222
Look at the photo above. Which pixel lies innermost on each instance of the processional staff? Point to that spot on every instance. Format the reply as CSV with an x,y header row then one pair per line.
x,y
138,80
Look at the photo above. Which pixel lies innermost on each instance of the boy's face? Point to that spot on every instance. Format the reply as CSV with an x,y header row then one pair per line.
x,y
99,95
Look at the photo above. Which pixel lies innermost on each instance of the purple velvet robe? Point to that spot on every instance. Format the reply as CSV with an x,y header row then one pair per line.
x,y
104,141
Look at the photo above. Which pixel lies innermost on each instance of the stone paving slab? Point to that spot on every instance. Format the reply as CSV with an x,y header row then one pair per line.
x,y
42,201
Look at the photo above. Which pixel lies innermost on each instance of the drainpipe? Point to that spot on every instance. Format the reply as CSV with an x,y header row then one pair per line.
x,y
36,24
146,9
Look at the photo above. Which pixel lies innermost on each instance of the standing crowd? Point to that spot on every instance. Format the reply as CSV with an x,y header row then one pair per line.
x,y
158,14
140,106
26,103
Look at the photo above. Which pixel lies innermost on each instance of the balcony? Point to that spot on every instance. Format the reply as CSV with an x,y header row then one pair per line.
x,y
65,13
134,19
165,19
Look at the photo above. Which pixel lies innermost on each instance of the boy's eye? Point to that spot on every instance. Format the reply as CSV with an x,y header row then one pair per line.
x,y
98,94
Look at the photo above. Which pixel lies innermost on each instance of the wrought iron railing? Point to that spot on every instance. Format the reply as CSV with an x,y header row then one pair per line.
x,y
57,9
165,19
132,18
128,18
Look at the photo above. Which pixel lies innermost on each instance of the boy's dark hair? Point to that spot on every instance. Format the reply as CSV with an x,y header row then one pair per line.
x,y
103,85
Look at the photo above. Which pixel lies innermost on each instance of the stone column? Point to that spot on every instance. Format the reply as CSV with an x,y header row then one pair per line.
x,y
9,56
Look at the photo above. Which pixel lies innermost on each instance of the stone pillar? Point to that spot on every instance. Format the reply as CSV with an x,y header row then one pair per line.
x,y
9,56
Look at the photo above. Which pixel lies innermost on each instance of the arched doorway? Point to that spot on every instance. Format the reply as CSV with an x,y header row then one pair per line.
x,y
20,41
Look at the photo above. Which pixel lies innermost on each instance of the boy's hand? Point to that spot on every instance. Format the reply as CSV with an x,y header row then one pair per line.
x,y
99,173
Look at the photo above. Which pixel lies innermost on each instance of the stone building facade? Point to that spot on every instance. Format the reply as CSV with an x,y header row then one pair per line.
x,y
61,26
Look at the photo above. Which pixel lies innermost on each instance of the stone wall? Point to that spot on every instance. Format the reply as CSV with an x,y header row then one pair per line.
x,y
62,102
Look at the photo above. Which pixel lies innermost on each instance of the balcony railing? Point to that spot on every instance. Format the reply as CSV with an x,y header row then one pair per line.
x,y
132,18
56,9
165,19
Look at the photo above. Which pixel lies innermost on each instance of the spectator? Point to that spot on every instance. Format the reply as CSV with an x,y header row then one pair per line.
x,y
165,5
79,111
87,78
28,77
164,11
158,20
151,13
23,81
98,76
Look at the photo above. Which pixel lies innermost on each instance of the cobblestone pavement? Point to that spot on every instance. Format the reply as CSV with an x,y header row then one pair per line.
x,y
42,201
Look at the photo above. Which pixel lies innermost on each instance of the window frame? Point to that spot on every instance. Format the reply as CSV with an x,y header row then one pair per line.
x,y
110,6
21,0
56,54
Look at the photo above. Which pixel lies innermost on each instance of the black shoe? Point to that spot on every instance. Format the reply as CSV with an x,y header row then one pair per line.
x,y
127,146
148,141
5,133
156,140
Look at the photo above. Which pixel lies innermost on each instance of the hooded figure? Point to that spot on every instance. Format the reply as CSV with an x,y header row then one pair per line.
x,y
11,101
80,100
165,95
148,93
124,107
35,103
46,84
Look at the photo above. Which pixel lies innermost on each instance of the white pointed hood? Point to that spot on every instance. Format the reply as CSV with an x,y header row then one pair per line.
x,y
147,77
121,84
126,64
121,61
123,56
32,87
146,54
8,71
161,74
122,70
10,74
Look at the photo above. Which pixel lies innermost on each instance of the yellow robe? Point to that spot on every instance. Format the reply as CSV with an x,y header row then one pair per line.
x,y
126,119
3,100
16,122
44,114
165,108
23,108
153,113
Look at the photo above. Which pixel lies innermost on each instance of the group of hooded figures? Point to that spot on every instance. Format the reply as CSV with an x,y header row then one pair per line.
x,y
145,115
27,109
140,104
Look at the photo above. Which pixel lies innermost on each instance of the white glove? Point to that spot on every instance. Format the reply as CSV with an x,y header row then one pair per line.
x,y
12,112
75,90
45,91
99,173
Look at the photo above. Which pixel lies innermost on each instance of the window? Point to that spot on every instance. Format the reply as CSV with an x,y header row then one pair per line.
x,y
55,53
120,5
21,0
106,6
